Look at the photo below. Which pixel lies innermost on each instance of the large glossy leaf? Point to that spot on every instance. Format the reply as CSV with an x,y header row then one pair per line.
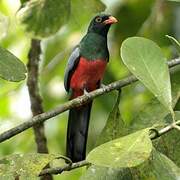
x,y
127,151
45,17
114,126
157,167
145,60
28,165
11,68
103,173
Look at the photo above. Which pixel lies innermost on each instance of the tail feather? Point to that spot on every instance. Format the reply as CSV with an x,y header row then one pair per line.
x,y
77,132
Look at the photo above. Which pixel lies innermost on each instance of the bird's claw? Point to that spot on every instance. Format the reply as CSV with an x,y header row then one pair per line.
x,y
86,93
102,85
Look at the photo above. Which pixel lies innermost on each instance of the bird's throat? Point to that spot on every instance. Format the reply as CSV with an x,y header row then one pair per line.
x,y
94,46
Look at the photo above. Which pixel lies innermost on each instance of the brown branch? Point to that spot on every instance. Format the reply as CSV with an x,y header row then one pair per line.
x,y
73,103
35,98
69,167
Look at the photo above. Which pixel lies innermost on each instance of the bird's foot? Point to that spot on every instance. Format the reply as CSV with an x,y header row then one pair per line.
x,y
86,93
102,85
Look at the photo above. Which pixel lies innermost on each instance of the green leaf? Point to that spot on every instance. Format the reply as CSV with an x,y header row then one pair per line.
x,y
11,68
146,61
128,151
169,143
175,42
154,113
27,165
114,126
157,167
103,173
44,18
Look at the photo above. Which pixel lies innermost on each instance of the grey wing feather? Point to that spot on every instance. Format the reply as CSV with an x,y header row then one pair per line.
x,y
71,65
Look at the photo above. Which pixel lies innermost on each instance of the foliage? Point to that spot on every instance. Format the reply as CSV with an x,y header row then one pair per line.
x,y
43,18
28,165
127,151
11,68
169,143
145,60
114,125
157,167
124,149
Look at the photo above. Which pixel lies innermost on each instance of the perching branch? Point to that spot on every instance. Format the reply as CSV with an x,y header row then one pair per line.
x,y
73,103
35,98
69,167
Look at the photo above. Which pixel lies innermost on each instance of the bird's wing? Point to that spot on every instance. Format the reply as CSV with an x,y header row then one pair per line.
x,y
71,65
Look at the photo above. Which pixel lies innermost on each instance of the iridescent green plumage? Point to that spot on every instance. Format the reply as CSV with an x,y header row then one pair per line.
x,y
94,46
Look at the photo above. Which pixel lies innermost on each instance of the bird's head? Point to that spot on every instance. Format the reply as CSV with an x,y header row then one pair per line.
x,y
101,23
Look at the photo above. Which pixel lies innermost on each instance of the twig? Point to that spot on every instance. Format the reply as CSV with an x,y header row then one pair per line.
x,y
73,103
68,167
165,130
177,127
35,98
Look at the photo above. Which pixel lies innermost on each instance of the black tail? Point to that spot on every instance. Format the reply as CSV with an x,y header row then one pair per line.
x,y
77,132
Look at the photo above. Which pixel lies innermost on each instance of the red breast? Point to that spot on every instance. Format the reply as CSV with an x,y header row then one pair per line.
x,y
87,75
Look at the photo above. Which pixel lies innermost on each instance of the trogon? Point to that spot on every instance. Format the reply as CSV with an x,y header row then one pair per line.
x,y
84,72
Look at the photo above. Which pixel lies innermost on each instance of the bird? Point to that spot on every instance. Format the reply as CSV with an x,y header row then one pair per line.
x,y
84,72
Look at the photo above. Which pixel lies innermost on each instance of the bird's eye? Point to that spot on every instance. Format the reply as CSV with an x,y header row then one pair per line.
x,y
98,19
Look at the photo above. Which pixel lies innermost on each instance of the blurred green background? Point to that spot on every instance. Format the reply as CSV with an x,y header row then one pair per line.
x,y
150,18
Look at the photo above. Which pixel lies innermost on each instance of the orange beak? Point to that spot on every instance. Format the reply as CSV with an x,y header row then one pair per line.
x,y
111,20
